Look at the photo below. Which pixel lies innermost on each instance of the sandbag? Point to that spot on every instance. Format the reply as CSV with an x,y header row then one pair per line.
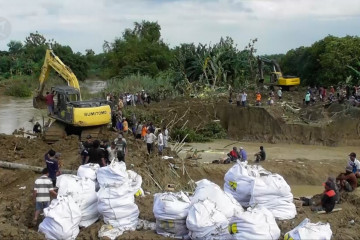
x,y
225,202
172,228
307,230
62,219
171,205
83,193
135,183
239,183
255,223
204,221
116,204
88,171
115,173
272,192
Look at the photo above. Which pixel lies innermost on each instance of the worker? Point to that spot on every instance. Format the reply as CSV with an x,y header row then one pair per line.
x,y
261,155
37,128
233,154
49,98
143,131
125,125
52,165
279,93
149,139
151,127
96,154
307,98
328,199
111,151
348,181
85,148
160,142
41,194
138,130
243,154
238,99
243,98
166,136
258,99
121,147
354,164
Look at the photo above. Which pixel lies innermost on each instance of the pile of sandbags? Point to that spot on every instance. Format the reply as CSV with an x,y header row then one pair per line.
x,y
62,219
255,223
205,221
88,171
253,185
116,201
307,230
82,190
170,211
225,202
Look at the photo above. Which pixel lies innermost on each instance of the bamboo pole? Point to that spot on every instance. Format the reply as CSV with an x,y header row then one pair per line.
x,y
10,165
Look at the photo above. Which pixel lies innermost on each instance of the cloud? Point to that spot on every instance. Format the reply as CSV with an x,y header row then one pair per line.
x,y
279,24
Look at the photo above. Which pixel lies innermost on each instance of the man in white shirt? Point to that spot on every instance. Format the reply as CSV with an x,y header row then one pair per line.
x,y
112,151
160,142
243,98
149,139
354,164
279,93
166,137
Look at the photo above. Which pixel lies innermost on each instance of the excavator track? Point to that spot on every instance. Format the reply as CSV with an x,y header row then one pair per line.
x,y
54,132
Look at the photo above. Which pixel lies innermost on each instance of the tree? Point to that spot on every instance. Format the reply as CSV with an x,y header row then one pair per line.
x,y
15,47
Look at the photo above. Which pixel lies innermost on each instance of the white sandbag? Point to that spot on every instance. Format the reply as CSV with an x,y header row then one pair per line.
x,y
255,223
239,183
172,228
135,183
204,221
116,205
62,219
83,193
225,202
307,230
272,192
171,206
88,171
115,173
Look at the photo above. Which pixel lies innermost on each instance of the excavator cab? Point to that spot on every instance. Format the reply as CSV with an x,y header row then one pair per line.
x,y
63,109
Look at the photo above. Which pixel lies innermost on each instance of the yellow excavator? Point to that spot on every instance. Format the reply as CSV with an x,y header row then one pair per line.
x,y
276,77
71,114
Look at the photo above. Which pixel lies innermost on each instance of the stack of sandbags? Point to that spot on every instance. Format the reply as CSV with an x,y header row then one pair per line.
x,y
205,221
239,183
82,190
255,223
116,201
272,192
225,202
307,230
89,171
62,219
170,211
253,185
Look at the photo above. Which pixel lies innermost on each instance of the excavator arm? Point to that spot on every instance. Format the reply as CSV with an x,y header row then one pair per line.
x,y
53,62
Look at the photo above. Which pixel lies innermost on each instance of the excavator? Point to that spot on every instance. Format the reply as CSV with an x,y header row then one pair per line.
x,y
276,78
71,115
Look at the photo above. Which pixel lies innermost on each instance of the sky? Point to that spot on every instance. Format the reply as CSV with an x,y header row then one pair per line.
x,y
279,25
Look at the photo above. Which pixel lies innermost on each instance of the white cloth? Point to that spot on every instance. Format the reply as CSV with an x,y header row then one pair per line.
x,y
307,230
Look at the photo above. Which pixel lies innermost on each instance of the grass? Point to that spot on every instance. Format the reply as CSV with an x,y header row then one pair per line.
x,y
212,130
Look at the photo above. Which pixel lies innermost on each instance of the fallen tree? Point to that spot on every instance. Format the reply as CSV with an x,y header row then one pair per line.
x,y
10,165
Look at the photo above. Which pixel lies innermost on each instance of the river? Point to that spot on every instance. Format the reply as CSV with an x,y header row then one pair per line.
x,y
18,113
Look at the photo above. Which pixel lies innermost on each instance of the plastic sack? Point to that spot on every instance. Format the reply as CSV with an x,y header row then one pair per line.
x,y
272,192
116,205
255,223
172,228
171,205
225,202
204,221
88,171
61,220
115,173
307,230
135,183
82,190
239,183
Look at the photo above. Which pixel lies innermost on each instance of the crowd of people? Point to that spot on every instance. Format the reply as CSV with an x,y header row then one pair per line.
x,y
241,155
241,98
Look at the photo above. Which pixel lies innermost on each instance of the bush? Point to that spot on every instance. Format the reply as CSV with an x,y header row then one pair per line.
x,y
212,130
18,89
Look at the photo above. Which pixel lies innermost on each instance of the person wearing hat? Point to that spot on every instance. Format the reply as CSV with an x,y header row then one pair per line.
x,y
354,164
348,181
328,199
243,154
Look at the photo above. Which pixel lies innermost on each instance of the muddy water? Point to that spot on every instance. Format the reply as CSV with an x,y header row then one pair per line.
x,y
219,148
18,113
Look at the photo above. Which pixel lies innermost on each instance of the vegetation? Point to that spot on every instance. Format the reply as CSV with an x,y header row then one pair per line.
x,y
212,130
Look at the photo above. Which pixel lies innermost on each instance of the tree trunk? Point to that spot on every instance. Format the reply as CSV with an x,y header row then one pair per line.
x,y
10,165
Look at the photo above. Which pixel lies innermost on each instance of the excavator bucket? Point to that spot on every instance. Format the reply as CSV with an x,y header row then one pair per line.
x,y
39,102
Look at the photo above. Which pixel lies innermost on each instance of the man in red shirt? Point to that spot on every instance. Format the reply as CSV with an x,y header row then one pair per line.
x,y
348,181
49,98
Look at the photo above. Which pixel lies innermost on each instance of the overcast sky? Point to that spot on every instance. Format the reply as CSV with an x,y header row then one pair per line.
x,y
279,25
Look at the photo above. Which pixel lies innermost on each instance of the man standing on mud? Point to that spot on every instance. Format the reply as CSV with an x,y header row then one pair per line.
x,y
160,142
49,98
52,165
149,139
243,98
